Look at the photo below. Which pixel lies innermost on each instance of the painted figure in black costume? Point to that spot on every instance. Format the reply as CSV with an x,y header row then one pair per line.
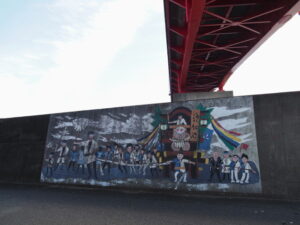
x,y
215,166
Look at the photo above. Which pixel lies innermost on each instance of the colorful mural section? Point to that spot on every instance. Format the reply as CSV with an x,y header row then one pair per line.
x,y
207,145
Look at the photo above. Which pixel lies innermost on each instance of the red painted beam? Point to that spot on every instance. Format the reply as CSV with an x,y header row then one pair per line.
x,y
187,60
221,85
194,10
180,3
178,49
178,30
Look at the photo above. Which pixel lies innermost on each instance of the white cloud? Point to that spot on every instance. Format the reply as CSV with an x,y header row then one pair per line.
x,y
88,35
77,60
225,111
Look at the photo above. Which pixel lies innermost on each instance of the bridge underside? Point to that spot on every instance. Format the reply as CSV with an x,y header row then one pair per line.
x,y
208,39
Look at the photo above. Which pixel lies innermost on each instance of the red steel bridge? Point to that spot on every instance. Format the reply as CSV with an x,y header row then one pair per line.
x,y
208,40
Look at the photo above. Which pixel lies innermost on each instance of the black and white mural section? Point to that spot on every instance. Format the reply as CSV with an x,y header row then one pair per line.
x,y
192,146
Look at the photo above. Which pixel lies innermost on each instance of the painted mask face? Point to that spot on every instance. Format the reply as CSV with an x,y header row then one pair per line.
x,y
180,130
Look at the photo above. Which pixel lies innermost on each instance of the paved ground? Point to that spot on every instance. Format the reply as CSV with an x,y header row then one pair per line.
x,y
24,205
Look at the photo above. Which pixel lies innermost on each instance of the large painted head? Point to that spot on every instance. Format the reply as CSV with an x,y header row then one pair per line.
x,y
226,154
63,143
74,148
180,155
235,158
129,148
154,150
245,158
120,149
91,135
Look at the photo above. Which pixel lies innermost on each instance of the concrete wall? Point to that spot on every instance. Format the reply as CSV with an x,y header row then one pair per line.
x,y
200,95
277,121
277,118
22,143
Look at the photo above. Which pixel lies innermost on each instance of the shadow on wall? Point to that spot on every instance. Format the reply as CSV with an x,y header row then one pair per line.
x,y
22,143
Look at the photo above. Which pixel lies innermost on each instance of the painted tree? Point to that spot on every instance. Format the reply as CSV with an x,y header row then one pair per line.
x,y
157,118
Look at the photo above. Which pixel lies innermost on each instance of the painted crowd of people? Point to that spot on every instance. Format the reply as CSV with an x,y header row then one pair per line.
x,y
87,158
232,168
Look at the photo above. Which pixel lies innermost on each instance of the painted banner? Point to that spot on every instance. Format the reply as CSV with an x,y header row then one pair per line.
x,y
194,146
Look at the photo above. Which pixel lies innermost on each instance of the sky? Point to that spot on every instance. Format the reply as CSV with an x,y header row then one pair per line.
x,y
70,55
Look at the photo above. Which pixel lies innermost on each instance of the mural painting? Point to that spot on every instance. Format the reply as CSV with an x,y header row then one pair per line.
x,y
192,146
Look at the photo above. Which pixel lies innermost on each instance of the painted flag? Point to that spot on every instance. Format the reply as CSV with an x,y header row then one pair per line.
x,y
244,146
231,140
206,139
